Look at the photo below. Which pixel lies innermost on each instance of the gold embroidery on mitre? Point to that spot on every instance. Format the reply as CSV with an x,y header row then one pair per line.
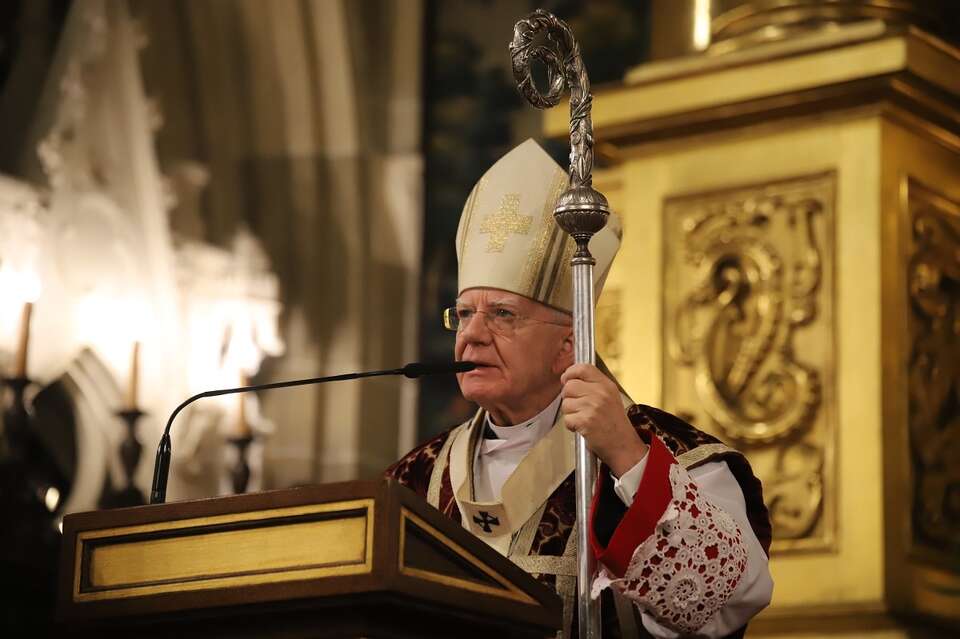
x,y
505,221
468,213
559,290
535,265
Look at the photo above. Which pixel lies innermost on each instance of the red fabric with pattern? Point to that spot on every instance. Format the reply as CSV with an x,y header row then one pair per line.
x,y
413,470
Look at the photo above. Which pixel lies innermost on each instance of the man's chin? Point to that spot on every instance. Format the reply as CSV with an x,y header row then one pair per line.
x,y
479,392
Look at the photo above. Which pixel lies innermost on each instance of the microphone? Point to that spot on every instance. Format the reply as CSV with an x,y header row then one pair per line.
x,y
161,468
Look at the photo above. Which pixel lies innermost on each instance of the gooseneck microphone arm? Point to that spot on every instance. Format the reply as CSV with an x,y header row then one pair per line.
x,y
161,468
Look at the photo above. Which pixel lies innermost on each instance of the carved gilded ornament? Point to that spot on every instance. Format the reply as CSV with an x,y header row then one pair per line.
x,y
609,328
749,334
735,325
933,280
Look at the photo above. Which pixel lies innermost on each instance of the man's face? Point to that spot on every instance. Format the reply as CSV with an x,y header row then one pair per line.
x,y
516,371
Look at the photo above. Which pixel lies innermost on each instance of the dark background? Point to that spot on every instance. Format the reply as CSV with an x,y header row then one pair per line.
x,y
473,115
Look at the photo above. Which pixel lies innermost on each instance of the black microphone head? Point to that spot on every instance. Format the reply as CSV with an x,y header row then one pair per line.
x,y
418,369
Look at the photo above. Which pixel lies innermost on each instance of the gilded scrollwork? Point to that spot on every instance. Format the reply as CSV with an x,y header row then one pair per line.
x,y
933,280
749,338
609,329
735,326
794,493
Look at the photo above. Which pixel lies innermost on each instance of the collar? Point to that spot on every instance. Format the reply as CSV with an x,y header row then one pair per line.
x,y
523,435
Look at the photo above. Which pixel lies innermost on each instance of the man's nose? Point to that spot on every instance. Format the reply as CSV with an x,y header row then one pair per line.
x,y
476,330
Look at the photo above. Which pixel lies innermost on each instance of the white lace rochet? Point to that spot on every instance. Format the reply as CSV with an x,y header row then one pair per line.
x,y
689,567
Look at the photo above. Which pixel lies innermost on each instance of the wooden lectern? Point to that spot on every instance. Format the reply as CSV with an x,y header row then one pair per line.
x,y
356,559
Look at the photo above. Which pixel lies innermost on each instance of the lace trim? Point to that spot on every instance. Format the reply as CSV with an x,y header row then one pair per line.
x,y
689,567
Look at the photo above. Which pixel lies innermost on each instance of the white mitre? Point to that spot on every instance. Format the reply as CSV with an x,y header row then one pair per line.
x,y
508,239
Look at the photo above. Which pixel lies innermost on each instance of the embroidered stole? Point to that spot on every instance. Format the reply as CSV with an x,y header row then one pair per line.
x,y
525,491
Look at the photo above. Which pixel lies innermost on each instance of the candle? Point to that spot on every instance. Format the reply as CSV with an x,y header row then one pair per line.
x,y
133,382
243,429
20,360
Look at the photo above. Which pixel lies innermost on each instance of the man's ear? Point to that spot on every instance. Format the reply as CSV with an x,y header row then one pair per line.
x,y
564,358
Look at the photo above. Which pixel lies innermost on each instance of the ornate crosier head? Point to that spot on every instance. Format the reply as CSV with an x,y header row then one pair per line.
x,y
581,211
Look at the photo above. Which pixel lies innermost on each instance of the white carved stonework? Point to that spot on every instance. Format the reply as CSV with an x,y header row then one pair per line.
x,y
89,225
22,217
95,395
230,313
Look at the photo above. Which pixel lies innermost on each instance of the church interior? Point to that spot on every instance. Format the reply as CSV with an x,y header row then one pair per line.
x,y
206,194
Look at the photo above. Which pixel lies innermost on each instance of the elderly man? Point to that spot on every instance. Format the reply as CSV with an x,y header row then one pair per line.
x,y
678,523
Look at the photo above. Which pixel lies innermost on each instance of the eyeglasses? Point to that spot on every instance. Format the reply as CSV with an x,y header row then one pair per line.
x,y
500,320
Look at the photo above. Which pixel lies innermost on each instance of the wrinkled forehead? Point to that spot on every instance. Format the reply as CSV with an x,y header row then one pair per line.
x,y
482,296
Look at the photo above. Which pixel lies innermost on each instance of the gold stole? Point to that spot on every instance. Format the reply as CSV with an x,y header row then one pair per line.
x,y
539,473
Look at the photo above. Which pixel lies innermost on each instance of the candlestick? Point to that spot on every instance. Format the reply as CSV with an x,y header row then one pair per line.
x,y
130,450
134,380
20,361
241,438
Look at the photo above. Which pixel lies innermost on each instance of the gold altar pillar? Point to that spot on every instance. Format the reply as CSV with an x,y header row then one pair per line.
x,y
790,281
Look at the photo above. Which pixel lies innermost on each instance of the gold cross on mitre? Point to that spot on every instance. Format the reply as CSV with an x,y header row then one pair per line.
x,y
505,221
